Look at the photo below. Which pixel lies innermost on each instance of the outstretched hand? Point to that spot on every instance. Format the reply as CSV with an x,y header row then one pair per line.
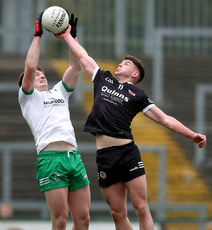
x,y
38,26
73,23
62,35
199,139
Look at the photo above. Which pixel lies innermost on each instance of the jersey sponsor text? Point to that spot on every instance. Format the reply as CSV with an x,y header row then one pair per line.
x,y
105,89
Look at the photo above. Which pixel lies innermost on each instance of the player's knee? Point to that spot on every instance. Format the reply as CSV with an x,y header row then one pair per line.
x,y
118,215
82,220
141,209
85,219
61,222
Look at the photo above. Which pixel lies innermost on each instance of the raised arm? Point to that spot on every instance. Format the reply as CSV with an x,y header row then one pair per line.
x,y
32,58
171,123
85,60
71,75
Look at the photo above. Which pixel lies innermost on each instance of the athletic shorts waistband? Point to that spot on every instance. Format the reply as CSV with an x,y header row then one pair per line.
x,y
115,147
55,153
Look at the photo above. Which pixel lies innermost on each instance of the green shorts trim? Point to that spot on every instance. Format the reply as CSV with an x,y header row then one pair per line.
x,y
58,169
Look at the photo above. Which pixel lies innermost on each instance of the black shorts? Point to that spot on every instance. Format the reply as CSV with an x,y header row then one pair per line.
x,y
119,163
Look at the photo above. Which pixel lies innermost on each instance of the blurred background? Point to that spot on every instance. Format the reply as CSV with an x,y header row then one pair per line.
x,y
173,38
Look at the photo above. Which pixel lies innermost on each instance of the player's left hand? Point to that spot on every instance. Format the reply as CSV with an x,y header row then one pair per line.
x,y
199,139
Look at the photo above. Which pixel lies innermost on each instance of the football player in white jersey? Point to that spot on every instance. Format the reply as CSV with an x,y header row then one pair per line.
x,y
61,175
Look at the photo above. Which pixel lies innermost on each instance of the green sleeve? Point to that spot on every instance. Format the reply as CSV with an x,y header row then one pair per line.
x,y
26,92
67,88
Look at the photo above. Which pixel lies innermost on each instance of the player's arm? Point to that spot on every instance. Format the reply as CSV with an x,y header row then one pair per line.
x,y
71,75
32,58
31,64
86,61
171,123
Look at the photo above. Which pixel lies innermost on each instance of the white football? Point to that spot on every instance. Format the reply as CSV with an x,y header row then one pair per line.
x,y
55,19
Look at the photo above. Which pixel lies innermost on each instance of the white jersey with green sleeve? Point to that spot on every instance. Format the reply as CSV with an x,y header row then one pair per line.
x,y
47,114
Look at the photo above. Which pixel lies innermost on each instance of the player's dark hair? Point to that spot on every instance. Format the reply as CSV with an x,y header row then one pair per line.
x,y
21,76
138,64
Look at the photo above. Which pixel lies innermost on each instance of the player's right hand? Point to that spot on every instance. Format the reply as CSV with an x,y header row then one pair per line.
x,y
38,26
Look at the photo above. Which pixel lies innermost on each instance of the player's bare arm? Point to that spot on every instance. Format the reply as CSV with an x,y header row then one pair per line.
x,y
171,123
72,74
31,64
86,61
32,58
